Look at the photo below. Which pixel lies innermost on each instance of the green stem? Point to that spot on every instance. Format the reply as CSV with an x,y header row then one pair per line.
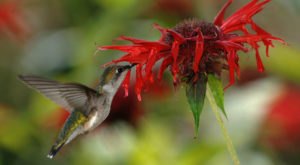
x,y
214,108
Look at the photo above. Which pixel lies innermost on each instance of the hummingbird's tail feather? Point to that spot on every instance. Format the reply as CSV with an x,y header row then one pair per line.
x,y
54,150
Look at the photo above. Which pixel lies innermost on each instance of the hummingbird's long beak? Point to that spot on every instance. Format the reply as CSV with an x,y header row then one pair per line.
x,y
132,65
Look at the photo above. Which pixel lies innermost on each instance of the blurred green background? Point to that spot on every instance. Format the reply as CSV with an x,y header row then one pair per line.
x,y
58,39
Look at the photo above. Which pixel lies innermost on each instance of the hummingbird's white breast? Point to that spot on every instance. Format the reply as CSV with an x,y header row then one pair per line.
x,y
97,116
92,121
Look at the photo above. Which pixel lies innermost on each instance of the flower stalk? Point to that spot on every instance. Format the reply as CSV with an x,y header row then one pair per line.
x,y
229,144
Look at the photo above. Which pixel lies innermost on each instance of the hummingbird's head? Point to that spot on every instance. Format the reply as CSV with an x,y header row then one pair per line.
x,y
113,77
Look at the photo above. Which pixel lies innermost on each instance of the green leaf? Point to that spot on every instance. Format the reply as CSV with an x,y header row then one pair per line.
x,y
216,87
195,92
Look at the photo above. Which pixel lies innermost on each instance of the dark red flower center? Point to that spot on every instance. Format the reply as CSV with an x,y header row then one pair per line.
x,y
190,28
213,59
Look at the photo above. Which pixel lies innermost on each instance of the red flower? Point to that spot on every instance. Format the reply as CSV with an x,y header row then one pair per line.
x,y
280,131
57,118
11,19
194,47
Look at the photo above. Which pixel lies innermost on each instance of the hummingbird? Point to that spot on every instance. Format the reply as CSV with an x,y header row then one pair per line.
x,y
88,107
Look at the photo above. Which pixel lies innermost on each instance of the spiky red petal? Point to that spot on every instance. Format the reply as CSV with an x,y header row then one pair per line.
x,y
139,82
219,19
199,51
126,83
166,62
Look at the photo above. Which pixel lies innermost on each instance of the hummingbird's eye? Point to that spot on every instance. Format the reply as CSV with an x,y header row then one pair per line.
x,y
119,70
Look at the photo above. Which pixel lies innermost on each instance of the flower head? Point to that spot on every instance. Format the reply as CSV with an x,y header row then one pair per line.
x,y
193,47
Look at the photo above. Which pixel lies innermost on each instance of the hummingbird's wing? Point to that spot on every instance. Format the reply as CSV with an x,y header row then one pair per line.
x,y
69,95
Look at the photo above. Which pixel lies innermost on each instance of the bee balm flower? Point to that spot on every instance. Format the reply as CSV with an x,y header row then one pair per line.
x,y
194,48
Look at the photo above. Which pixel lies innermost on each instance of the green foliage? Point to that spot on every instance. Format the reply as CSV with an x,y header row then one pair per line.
x,y
195,93
216,87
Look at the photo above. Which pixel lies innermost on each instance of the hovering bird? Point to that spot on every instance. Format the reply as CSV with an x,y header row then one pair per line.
x,y
88,107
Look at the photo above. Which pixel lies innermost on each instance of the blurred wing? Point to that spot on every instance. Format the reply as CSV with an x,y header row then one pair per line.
x,y
71,95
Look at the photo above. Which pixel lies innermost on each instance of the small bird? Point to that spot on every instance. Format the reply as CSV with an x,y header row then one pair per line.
x,y
88,107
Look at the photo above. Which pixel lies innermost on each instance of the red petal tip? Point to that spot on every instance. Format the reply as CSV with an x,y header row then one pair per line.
x,y
139,97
